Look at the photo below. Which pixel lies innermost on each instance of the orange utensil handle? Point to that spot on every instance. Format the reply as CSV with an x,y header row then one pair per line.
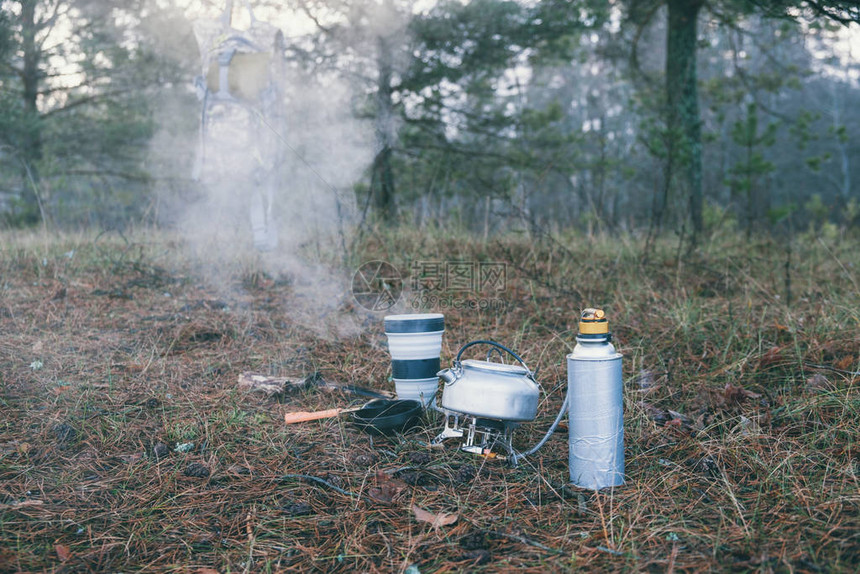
x,y
300,417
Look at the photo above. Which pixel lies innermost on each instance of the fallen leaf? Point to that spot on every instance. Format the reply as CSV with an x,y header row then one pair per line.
x,y
774,356
666,417
704,419
845,363
681,417
736,395
645,380
655,413
748,427
387,489
38,346
818,383
63,552
434,520
61,389
130,458
255,382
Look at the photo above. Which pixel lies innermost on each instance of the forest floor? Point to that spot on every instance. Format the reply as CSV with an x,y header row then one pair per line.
x,y
127,445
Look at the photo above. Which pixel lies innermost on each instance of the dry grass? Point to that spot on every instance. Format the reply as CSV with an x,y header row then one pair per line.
x,y
741,415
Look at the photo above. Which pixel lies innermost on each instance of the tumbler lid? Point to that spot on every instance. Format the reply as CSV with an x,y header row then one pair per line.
x,y
415,323
593,322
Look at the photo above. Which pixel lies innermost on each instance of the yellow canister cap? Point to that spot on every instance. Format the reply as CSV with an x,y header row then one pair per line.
x,y
593,322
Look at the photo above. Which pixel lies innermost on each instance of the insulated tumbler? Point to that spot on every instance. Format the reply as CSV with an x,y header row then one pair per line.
x,y
415,343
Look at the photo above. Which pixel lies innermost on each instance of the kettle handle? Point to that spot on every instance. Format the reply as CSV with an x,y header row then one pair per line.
x,y
494,344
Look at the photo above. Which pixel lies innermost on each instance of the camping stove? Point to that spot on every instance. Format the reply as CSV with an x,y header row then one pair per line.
x,y
481,434
484,401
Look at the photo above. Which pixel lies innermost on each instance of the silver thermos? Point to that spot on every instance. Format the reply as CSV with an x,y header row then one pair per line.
x,y
595,406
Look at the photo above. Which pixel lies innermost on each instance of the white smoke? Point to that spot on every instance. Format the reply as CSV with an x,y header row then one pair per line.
x,y
302,154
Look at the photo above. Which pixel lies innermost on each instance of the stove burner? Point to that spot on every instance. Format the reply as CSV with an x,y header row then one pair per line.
x,y
482,434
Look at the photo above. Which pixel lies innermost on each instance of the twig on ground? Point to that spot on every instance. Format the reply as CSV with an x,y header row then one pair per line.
x,y
524,540
834,369
309,478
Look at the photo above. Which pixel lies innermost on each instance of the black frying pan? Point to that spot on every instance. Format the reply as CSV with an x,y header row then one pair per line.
x,y
384,416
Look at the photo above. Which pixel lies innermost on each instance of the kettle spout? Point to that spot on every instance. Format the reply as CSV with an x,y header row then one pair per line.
x,y
448,375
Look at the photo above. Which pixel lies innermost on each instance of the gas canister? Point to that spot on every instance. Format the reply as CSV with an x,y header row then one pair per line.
x,y
595,406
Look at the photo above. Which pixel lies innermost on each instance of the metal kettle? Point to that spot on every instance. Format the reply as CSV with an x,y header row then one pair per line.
x,y
490,390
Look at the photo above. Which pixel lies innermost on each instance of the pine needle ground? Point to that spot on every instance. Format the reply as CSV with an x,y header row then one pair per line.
x,y
126,445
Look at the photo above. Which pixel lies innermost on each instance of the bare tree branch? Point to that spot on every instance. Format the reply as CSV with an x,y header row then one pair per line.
x,y
85,100
139,177
844,11
313,17
643,17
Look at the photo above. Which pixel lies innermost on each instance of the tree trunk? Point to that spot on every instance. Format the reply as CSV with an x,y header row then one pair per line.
x,y
842,146
31,145
601,175
682,99
752,203
382,184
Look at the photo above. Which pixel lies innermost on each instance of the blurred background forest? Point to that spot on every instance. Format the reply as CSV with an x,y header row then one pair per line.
x,y
684,116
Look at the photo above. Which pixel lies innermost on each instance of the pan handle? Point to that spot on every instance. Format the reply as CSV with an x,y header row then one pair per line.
x,y
303,416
